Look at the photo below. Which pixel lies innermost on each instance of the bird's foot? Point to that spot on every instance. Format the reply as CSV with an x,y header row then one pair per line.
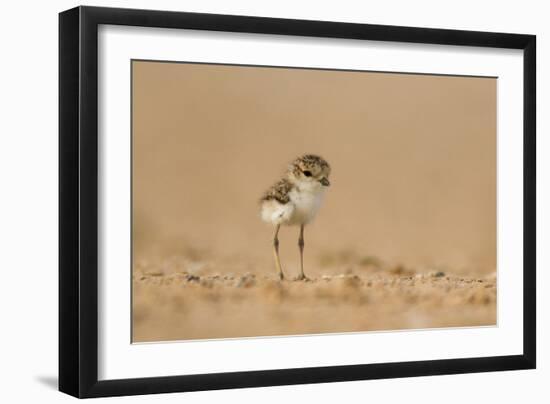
x,y
281,276
302,278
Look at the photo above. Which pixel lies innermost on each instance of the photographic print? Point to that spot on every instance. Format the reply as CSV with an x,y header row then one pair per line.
x,y
273,201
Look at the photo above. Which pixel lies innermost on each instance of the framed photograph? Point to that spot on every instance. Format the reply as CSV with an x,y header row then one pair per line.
x,y
250,201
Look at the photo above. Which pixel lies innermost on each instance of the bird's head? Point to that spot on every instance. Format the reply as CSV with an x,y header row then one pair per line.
x,y
309,171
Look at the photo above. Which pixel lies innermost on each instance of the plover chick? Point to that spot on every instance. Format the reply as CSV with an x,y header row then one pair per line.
x,y
294,200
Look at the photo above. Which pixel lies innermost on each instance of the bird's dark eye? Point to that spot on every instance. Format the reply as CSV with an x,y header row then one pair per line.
x,y
307,173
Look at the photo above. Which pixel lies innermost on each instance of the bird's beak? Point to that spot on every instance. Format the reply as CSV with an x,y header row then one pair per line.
x,y
324,181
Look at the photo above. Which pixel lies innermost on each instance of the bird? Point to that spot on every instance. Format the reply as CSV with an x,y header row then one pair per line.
x,y
294,200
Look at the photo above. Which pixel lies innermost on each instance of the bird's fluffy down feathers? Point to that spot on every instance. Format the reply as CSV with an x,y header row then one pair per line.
x,y
295,199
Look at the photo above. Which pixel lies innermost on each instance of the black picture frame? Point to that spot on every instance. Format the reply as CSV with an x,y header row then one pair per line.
x,y
78,201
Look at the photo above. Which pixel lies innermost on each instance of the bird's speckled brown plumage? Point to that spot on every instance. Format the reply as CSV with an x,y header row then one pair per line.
x,y
309,162
279,191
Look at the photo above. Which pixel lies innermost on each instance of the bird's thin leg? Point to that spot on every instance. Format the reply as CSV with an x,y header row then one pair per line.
x,y
301,245
276,252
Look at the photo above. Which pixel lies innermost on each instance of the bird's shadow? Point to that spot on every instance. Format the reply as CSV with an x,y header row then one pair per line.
x,y
48,381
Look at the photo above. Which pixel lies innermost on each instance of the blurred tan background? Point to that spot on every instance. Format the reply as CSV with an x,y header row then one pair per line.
x,y
413,159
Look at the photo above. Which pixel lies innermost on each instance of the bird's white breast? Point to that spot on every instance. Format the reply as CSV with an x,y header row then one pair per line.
x,y
306,204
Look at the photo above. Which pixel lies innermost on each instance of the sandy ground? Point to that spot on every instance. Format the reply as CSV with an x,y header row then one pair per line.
x,y
179,299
